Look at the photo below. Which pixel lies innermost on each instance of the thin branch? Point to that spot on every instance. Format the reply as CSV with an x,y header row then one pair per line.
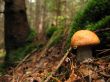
x,y
102,30
28,55
103,51
60,63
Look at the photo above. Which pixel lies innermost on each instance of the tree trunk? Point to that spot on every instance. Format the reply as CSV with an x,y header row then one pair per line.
x,y
2,43
16,24
58,11
40,17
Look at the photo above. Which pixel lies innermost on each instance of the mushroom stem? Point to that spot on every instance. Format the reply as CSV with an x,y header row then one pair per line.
x,y
83,53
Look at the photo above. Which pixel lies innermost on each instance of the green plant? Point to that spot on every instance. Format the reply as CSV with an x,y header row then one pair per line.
x,y
50,30
13,57
57,35
31,35
103,23
92,14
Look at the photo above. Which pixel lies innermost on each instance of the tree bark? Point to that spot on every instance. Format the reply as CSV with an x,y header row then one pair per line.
x,y
40,20
16,24
2,43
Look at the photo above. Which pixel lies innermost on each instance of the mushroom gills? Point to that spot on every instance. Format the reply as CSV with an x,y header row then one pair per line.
x,y
83,53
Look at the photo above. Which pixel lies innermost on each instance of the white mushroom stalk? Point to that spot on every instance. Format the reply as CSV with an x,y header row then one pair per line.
x,y
83,39
84,53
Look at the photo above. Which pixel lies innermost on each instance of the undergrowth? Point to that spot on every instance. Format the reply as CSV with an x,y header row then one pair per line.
x,y
16,55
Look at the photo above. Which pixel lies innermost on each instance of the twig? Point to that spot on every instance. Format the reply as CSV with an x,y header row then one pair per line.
x,y
56,79
104,74
60,63
43,52
90,79
102,30
28,55
103,51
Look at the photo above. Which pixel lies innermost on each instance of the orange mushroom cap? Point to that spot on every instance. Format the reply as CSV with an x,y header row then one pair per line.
x,y
84,38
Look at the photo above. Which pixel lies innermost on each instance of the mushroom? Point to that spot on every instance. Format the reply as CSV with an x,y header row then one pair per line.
x,y
82,40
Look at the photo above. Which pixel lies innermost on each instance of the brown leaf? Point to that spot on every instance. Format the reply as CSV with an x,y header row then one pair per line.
x,y
99,80
85,70
72,77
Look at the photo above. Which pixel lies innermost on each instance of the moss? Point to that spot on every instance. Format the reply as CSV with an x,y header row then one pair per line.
x,y
31,35
50,30
100,24
94,11
56,37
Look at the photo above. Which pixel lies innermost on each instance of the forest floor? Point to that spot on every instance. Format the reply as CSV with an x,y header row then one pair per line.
x,y
53,65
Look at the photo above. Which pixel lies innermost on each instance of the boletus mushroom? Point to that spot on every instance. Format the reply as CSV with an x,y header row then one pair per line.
x,y
82,40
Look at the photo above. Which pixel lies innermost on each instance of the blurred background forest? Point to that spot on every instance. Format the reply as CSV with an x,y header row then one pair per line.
x,y
39,31
40,22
